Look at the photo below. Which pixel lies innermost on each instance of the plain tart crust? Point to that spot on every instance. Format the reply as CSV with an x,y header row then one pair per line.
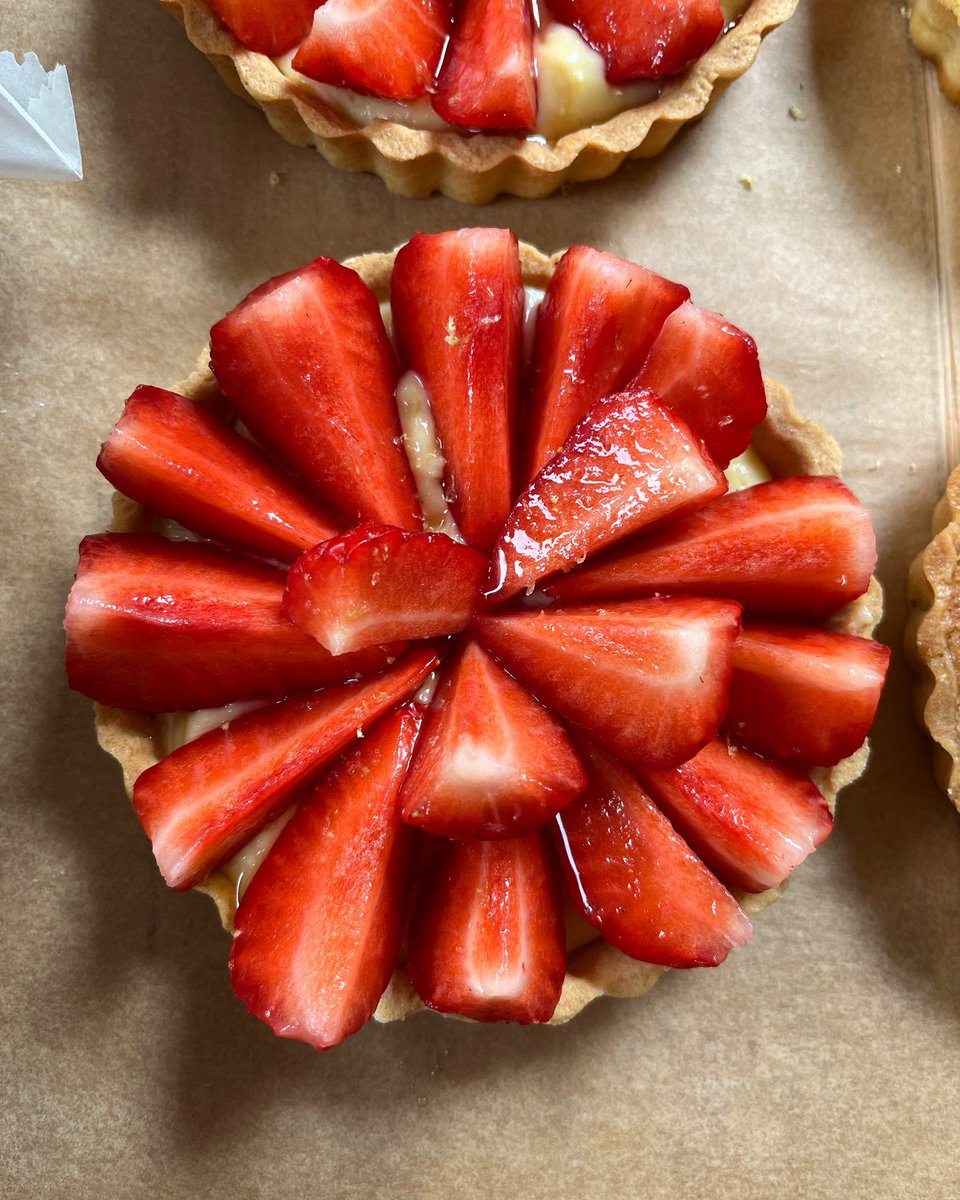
x,y
476,167
787,444
935,29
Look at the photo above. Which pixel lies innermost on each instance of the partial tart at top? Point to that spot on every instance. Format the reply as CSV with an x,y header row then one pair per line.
x,y
402,87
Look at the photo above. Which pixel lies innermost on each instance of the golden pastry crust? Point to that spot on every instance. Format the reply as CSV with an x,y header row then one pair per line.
x,y
474,169
787,444
935,29
932,637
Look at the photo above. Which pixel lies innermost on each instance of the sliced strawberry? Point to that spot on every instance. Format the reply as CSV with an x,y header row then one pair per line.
x,y
487,941
306,362
319,927
644,39
635,879
205,800
269,26
389,48
378,583
800,547
628,463
457,302
805,696
750,820
648,678
489,79
161,626
180,461
492,762
595,327
707,370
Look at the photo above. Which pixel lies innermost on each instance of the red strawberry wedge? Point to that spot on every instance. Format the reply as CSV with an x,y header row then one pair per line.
x,y
180,461
319,927
637,881
388,48
627,464
376,583
644,39
793,548
161,626
306,363
457,301
805,696
707,371
492,762
488,78
487,941
751,821
265,25
595,327
648,678
202,802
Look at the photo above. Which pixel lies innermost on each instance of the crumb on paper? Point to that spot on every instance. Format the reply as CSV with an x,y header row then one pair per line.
x,y
276,178
906,11
898,169
797,113
746,182
875,466
912,469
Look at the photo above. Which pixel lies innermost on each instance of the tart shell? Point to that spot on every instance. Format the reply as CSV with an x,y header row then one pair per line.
x,y
787,444
475,168
935,29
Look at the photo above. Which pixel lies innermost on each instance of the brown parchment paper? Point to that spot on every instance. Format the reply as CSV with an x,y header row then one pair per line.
x,y
823,1060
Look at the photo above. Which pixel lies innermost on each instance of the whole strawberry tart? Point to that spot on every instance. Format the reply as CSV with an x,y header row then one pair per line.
x,y
480,96
480,630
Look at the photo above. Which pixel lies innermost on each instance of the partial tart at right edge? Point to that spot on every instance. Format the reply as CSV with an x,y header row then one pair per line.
x,y
935,29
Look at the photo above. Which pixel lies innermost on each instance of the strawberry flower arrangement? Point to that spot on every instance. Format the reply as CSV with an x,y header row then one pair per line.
x,y
552,676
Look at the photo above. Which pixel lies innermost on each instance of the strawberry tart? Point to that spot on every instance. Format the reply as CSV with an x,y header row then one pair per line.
x,y
484,96
935,29
480,630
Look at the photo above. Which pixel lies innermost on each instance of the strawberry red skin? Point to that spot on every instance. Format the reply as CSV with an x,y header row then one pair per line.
x,y
319,927
637,881
647,678
595,326
492,762
205,800
630,462
269,26
707,371
487,941
377,582
388,48
644,39
161,626
306,363
457,302
752,821
806,696
175,457
796,548
488,78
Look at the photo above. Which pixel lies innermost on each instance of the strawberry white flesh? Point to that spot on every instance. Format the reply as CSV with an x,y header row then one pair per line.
x,y
319,927
487,941
269,26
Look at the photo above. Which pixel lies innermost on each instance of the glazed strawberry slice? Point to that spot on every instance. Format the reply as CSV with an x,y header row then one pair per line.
x,y
306,363
595,326
752,821
487,941
377,583
636,880
457,301
800,547
161,626
492,762
204,801
269,26
488,78
707,371
805,696
388,48
180,461
628,463
319,927
648,678
644,39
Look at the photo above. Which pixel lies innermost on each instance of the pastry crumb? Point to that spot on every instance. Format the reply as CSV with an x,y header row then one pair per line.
x,y
875,466
797,113
912,469
276,178
451,339
906,11
746,182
